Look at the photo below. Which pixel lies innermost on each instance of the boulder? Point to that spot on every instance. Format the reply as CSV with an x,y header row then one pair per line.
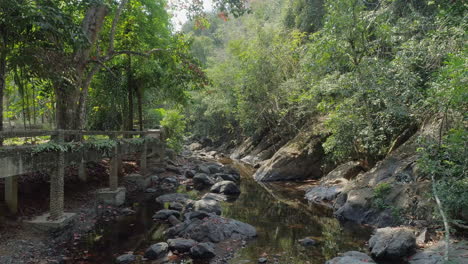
x,y
213,228
174,169
208,205
157,251
227,177
203,168
203,251
307,242
225,187
176,206
345,171
214,168
323,194
262,260
301,158
173,197
165,213
215,196
202,180
189,173
351,257
180,244
195,146
125,259
197,215
392,243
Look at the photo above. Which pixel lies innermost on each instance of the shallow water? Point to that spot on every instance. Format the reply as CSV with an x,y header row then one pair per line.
x,y
277,210
282,216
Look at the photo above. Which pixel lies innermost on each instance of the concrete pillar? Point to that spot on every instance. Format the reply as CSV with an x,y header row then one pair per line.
x,y
82,174
11,193
114,169
143,159
57,184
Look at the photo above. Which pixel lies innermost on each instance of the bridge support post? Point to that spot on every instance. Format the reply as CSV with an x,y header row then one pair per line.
x,y
82,175
11,193
144,159
114,169
57,184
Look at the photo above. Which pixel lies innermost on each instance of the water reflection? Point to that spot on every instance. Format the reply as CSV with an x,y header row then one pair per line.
x,y
282,217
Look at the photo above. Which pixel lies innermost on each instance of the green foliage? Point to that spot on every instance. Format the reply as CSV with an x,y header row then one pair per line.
x,y
381,191
448,161
174,125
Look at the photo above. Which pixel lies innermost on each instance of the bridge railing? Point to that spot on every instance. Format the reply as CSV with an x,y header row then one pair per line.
x,y
15,161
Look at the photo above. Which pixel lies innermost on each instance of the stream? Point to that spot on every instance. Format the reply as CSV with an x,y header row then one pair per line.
x,y
277,210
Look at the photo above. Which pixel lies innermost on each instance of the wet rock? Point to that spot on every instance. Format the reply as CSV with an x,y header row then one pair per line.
x,y
230,170
209,206
262,260
157,251
202,180
176,206
212,229
203,251
225,187
215,196
165,213
128,211
174,169
173,220
323,194
351,257
344,171
202,168
155,179
189,173
125,259
197,215
150,190
227,177
214,168
392,243
180,244
307,242
173,197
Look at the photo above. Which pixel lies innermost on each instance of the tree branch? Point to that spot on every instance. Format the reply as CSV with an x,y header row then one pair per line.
x,y
114,26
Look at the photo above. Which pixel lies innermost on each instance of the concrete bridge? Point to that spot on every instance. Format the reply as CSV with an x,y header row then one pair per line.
x,y
58,153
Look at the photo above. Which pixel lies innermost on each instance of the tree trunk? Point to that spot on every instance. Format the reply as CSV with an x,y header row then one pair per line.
x,y
140,107
68,94
3,53
130,94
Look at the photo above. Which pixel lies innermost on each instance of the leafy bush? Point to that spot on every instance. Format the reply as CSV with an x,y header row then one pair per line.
x,y
380,194
174,125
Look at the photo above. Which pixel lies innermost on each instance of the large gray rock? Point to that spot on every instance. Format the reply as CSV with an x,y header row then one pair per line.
x,y
157,251
392,243
300,158
125,259
212,229
225,187
208,205
203,168
180,244
351,257
227,177
195,146
202,180
173,197
323,194
203,251
165,213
